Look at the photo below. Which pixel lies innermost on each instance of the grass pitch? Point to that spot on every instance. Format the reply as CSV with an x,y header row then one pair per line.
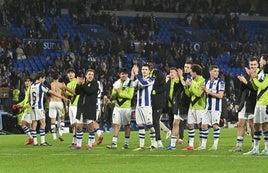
x,y
19,158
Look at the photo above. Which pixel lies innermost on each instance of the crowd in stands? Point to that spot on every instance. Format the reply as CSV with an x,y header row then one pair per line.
x,y
179,6
108,55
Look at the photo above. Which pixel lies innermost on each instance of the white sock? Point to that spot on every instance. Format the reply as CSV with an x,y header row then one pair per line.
x,y
173,141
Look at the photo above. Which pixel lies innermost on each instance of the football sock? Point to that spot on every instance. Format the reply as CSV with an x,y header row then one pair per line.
x,y
114,140
142,135
265,133
27,131
91,137
173,141
33,133
204,137
191,134
152,135
257,138
79,137
98,131
62,124
127,139
239,141
53,131
42,135
216,135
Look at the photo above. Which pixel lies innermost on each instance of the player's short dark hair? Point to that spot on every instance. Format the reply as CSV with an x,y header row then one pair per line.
x,y
70,70
212,67
28,78
90,70
123,70
80,74
146,65
55,76
197,69
173,68
40,75
189,62
254,58
265,57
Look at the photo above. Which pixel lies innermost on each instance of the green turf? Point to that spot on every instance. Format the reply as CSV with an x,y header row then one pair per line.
x,y
16,157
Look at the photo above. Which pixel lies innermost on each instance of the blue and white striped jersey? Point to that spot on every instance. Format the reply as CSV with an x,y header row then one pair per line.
x,y
145,87
212,103
261,75
37,95
100,92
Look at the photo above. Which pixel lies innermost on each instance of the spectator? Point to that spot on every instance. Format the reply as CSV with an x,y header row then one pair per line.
x,y
20,52
65,46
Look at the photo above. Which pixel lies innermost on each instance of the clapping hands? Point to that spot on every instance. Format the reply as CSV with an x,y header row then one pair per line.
x,y
135,70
